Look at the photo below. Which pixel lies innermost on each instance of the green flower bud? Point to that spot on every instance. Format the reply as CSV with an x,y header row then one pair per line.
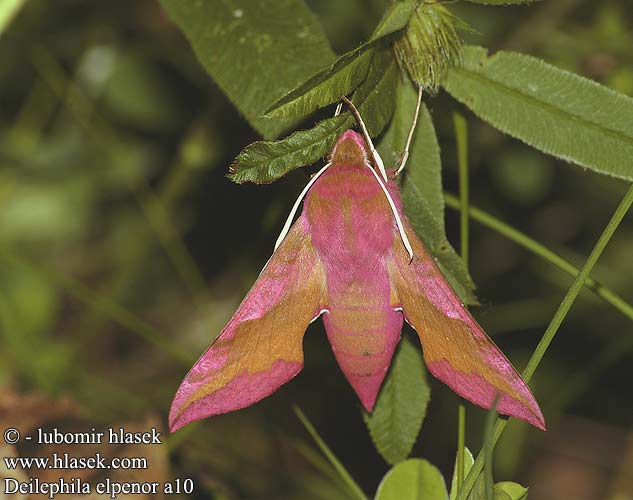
x,y
429,45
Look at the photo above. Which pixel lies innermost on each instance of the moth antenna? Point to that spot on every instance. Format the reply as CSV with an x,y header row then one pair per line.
x,y
405,153
403,235
295,207
374,153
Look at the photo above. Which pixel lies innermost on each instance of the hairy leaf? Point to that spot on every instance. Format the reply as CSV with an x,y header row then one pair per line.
x,y
376,98
396,18
345,74
413,479
267,161
401,405
255,51
422,187
560,113
327,86
263,162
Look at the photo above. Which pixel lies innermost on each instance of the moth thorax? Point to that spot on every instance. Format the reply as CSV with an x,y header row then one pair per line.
x,y
350,148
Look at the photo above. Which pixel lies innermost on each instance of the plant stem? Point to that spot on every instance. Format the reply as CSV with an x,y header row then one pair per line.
x,y
461,444
577,285
461,136
542,251
488,450
345,476
554,326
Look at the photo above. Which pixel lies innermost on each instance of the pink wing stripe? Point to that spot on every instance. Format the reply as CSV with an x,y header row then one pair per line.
x,y
483,394
456,349
261,346
242,391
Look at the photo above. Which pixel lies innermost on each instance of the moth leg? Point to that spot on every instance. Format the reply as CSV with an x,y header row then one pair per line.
x,y
405,154
338,109
374,153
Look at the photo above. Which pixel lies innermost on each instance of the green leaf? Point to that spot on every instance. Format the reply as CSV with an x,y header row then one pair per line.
x,y
479,491
469,460
376,98
267,161
422,187
502,2
502,491
263,162
401,406
513,490
557,112
345,74
498,493
396,18
326,87
255,51
413,479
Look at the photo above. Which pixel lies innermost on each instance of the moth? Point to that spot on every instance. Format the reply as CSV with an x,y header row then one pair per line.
x,y
353,259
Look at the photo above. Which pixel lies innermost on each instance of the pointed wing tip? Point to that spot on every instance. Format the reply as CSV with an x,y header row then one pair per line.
x,y
176,420
530,413
182,413
539,421
174,426
519,403
535,420
180,417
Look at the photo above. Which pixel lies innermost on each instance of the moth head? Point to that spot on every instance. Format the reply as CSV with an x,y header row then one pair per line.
x,y
350,148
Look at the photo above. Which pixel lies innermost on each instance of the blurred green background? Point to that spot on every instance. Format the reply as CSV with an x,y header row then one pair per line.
x,y
124,250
